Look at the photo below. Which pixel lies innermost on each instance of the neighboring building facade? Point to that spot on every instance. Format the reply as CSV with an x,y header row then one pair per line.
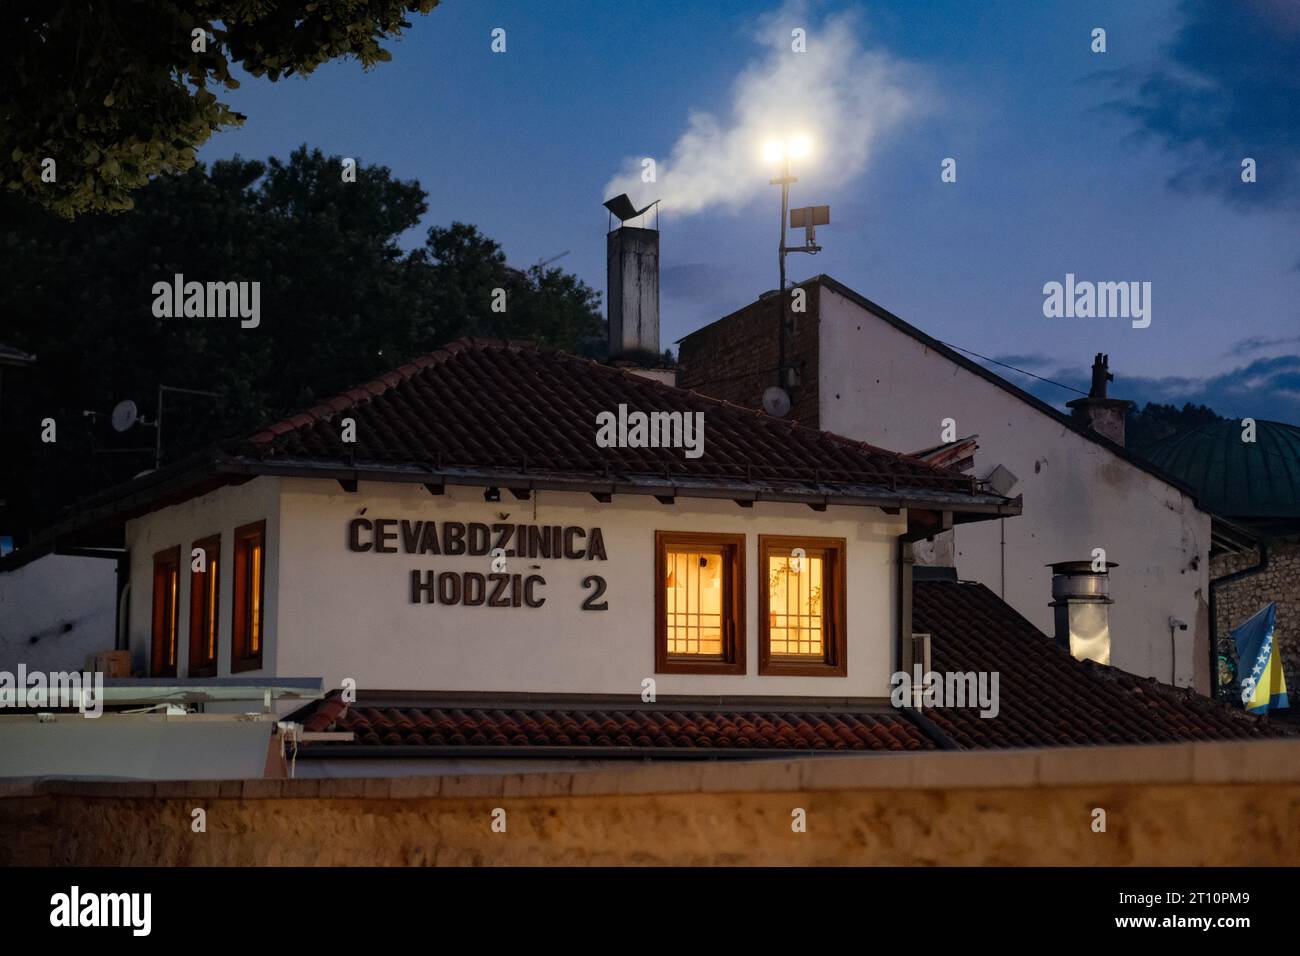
x,y
56,611
1249,472
867,374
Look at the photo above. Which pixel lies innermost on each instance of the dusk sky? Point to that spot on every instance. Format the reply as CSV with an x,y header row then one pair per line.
x,y
1116,166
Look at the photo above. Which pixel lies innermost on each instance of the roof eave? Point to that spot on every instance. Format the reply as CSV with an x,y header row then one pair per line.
x,y
188,480
674,487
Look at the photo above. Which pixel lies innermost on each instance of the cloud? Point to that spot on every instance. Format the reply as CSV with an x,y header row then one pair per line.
x,y
839,94
1257,343
1226,90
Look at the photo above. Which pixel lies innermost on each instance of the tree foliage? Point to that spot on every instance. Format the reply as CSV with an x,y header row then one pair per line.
x,y
1153,422
118,91
341,301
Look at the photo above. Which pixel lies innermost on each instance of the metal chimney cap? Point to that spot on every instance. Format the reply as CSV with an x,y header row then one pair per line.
x,y
1079,567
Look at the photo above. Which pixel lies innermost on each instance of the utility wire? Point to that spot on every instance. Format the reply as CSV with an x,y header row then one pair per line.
x,y
985,358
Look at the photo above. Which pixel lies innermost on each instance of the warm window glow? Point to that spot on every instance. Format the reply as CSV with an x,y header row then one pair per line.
x,y
172,585
248,637
699,589
205,592
211,577
254,586
803,604
795,585
694,601
166,583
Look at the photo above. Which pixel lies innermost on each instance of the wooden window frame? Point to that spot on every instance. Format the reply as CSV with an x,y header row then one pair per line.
x,y
168,558
734,634
241,659
835,662
199,663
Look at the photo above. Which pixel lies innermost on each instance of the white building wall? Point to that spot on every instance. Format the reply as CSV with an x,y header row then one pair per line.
x,y
347,614
880,385
219,512
69,604
335,613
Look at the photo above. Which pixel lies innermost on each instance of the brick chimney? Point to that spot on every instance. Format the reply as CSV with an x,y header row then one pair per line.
x,y
1101,414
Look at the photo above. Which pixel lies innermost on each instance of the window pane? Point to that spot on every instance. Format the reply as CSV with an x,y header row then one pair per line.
x,y
173,609
211,624
796,586
694,582
255,605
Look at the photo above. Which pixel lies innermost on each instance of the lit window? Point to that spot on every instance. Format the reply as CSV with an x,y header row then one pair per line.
x,y
249,610
205,592
166,587
802,606
699,603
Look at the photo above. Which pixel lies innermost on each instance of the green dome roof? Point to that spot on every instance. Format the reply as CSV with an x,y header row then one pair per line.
x,y
1237,479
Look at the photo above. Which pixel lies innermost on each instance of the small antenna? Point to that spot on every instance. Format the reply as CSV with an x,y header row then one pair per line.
x,y
543,263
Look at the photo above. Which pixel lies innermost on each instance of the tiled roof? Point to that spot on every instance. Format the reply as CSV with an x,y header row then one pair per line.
x,y
1046,697
667,728
480,404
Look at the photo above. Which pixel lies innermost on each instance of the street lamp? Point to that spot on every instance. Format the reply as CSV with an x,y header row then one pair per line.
x,y
782,151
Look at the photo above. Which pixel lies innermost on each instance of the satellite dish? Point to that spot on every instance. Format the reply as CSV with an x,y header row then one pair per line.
x,y
125,414
776,402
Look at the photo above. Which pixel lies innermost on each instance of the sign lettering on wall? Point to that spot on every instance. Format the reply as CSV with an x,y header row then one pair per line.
x,y
475,539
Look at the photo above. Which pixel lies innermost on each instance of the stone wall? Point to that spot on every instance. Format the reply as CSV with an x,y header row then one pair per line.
x,y
1187,805
1235,603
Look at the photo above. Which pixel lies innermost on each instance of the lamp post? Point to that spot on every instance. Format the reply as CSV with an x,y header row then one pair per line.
x,y
781,151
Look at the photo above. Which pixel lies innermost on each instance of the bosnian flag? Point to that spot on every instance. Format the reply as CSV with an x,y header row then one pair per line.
x,y
1263,685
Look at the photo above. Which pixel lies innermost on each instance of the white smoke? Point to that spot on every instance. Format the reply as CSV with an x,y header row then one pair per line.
x,y
838,94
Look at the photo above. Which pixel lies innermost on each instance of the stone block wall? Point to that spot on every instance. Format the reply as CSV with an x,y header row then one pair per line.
x,y
1204,804
1238,601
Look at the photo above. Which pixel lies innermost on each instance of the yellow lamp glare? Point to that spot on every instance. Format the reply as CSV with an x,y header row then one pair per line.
x,y
800,147
774,151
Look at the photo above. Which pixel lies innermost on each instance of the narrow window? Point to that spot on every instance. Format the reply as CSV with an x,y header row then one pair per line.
x,y
699,603
801,607
205,593
248,635
166,590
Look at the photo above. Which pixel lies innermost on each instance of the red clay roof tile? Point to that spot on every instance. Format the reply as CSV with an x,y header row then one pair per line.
x,y
624,729
1046,697
481,404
